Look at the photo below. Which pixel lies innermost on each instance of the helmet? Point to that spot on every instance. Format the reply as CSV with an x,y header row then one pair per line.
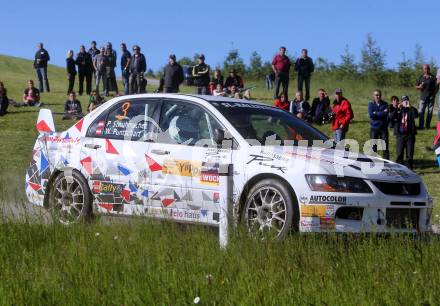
x,y
183,128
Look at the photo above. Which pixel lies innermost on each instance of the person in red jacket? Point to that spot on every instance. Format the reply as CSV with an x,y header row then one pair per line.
x,y
342,114
282,102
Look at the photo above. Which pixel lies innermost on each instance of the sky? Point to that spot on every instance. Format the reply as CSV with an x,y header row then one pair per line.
x,y
215,27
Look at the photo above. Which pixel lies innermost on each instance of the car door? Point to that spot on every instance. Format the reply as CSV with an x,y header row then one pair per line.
x,y
185,185
114,156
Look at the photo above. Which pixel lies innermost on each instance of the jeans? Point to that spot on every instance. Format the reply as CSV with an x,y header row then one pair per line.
x,y
100,76
269,82
428,104
202,90
71,80
339,135
42,75
283,80
126,81
304,79
405,142
381,134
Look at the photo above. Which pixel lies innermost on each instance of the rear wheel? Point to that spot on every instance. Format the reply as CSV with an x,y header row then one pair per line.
x,y
270,209
70,199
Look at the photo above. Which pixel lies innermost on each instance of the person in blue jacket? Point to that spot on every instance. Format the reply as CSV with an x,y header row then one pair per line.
x,y
378,113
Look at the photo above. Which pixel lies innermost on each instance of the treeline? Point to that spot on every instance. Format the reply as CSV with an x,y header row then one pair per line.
x,y
370,67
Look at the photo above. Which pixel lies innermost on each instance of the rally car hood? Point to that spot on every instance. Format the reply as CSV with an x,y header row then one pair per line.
x,y
337,162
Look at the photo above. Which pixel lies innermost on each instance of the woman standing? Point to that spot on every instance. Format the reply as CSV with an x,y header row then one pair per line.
x,y
71,70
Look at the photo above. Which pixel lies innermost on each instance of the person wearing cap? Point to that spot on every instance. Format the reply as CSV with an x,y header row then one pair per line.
x,y
405,130
125,65
305,67
234,79
138,66
342,115
200,73
172,75
112,57
281,68
378,113
427,85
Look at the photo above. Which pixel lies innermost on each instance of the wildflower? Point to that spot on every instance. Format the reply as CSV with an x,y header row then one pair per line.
x,y
115,238
196,300
209,278
97,234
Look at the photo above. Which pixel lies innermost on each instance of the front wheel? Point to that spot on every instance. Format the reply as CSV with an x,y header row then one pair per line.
x,y
270,210
70,199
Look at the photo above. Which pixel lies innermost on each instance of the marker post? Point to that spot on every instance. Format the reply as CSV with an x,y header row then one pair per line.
x,y
226,183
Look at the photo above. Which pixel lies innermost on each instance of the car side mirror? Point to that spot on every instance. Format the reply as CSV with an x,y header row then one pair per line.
x,y
219,136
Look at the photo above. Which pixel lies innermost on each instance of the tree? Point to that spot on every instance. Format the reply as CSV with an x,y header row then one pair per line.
x,y
373,58
405,72
321,64
348,65
234,61
419,58
186,61
256,66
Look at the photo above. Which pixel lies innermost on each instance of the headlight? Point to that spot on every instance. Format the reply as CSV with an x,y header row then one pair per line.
x,y
333,183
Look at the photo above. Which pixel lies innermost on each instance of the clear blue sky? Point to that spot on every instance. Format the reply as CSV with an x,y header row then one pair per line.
x,y
213,27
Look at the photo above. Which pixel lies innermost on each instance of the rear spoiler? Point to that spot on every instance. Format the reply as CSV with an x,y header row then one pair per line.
x,y
45,122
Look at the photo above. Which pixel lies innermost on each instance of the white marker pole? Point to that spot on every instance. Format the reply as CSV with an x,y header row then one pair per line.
x,y
225,173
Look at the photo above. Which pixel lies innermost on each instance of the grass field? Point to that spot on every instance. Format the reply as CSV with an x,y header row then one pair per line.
x,y
140,262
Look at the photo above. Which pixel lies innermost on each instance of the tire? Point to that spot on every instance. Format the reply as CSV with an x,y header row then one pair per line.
x,y
270,210
70,199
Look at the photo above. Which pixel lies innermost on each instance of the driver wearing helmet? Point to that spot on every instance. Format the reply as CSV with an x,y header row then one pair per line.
x,y
183,129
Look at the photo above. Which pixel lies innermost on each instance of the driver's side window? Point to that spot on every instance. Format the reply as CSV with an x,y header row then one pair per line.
x,y
185,123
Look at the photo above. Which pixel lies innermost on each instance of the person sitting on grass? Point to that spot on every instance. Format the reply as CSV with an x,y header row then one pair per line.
x,y
320,108
234,92
218,91
72,108
95,101
4,101
31,96
282,102
299,107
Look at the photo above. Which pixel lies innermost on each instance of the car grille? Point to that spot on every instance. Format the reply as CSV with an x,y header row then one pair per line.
x,y
403,218
398,188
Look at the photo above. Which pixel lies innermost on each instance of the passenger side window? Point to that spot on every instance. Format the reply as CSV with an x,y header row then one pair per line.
x,y
128,120
185,123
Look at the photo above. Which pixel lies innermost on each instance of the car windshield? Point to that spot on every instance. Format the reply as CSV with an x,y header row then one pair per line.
x,y
267,125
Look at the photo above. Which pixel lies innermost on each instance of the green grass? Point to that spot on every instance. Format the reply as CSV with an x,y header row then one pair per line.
x,y
166,264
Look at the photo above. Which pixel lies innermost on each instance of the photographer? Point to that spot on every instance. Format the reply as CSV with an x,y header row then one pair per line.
x,y
378,113
426,83
403,118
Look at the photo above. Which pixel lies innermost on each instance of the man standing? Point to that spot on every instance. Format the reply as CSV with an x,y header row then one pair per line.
x,y
281,67
125,67
40,65
378,112
138,65
172,75
405,130
111,76
342,115
100,63
304,66
93,51
85,70
200,73
426,83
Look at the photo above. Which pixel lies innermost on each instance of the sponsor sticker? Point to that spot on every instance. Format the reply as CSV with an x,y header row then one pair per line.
x,y
209,174
327,223
322,210
106,187
333,199
310,224
181,167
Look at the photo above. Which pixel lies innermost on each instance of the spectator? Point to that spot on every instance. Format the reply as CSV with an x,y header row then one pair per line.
x,y
405,130
234,79
85,70
125,67
378,113
426,83
342,115
320,107
71,71
111,55
234,93
281,67
100,64
31,96
391,108
217,79
95,100
72,108
93,51
200,73
270,78
4,101
40,65
172,75
299,107
282,102
138,65
438,84
305,67
218,91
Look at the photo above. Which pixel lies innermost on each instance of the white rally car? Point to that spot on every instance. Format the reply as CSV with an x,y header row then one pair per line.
x,y
159,155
